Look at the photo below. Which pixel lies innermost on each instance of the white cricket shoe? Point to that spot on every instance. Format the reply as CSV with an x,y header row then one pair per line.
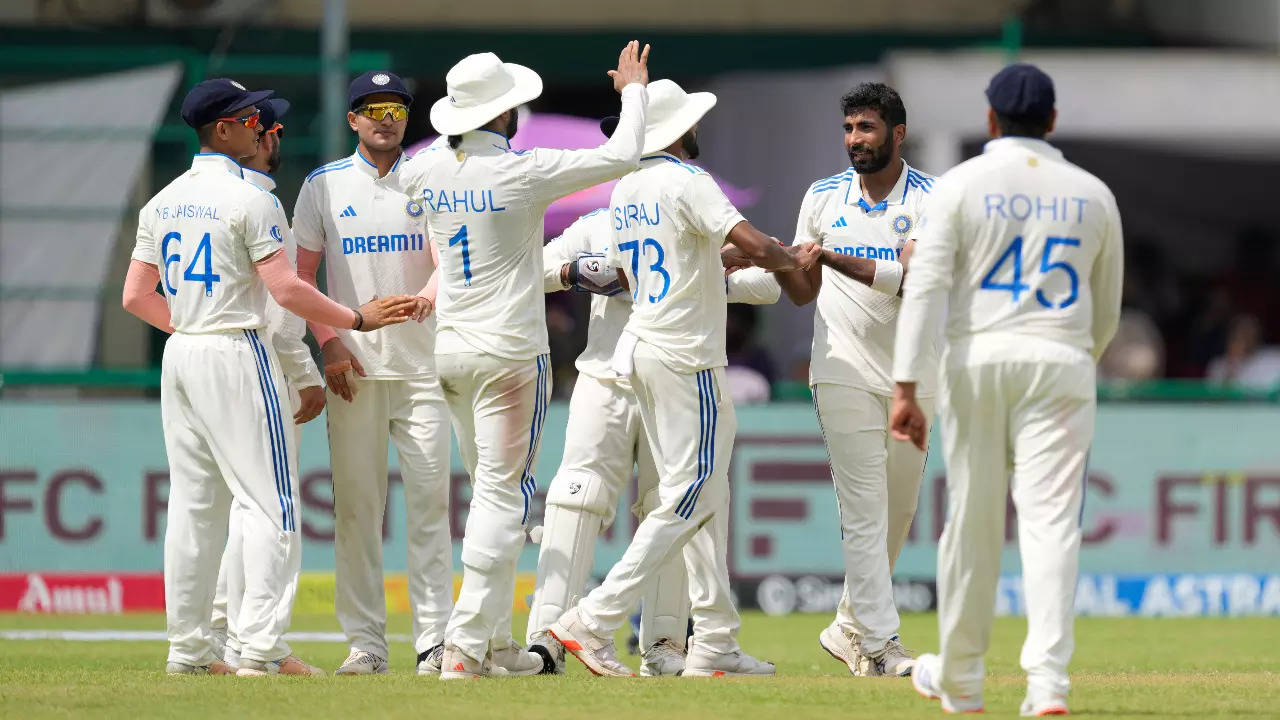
x,y
550,650
595,651
517,661
662,658
841,645
457,665
430,662
217,667
363,662
231,657
893,660
1043,704
290,665
924,678
705,663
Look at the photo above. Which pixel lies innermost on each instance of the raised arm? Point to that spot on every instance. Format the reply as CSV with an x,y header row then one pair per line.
x,y
556,173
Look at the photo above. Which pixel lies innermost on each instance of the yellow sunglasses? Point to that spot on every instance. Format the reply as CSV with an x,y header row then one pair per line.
x,y
378,111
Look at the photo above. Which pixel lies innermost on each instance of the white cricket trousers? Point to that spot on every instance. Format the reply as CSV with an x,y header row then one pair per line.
x,y
226,436
604,441
498,408
411,414
1026,427
690,425
229,593
877,486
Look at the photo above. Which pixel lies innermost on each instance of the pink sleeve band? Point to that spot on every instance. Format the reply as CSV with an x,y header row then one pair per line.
x,y
308,268
141,298
298,297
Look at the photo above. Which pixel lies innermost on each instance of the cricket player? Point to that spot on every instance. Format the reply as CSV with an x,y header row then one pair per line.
x,y
357,213
669,221
215,243
863,220
304,386
1024,250
603,442
484,206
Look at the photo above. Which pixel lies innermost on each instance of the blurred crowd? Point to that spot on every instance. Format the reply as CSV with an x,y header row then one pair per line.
x,y
1221,325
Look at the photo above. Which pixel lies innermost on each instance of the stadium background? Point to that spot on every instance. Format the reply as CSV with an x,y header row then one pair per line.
x,y
1172,103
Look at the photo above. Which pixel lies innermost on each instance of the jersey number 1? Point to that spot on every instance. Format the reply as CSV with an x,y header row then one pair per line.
x,y
461,239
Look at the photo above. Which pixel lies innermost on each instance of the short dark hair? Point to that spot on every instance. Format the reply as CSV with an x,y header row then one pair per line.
x,y
204,133
879,97
1011,126
455,141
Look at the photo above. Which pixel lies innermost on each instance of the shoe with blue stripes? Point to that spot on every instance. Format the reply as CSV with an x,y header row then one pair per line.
x,y
924,679
707,663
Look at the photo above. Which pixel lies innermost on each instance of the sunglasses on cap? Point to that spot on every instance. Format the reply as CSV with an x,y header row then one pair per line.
x,y
277,130
378,111
249,121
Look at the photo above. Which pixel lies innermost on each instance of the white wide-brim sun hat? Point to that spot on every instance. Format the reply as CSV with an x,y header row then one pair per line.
x,y
671,113
481,87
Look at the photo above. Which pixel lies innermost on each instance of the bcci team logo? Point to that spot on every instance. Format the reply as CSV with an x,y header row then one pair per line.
x,y
275,233
381,79
413,209
902,224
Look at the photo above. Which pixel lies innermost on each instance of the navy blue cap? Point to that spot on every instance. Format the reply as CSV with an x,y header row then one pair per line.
x,y
272,112
376,81
1022,91
217,98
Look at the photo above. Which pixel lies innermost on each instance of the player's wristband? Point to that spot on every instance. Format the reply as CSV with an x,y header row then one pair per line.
x,y
888,277
359,319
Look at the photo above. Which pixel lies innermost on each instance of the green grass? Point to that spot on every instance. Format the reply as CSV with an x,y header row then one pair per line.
x,y
1143,668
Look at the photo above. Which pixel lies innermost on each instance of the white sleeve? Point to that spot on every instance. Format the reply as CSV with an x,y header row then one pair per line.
x,y
805,230
929,282
552,174
704,207
308,224
265,226
753,286
554,257
145,246
1106,282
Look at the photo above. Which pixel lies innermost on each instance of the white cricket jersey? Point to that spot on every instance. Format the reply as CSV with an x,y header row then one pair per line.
x,y
284,329
374,241
853,326
1024,249
669,220
484,206
204,231
591,233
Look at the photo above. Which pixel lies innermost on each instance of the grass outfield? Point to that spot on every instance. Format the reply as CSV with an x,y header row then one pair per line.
x,y
1145,668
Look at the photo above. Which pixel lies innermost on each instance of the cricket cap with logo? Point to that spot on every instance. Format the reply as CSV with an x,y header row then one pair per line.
x,y
480,88
1022,91
218,98
376,81
671,113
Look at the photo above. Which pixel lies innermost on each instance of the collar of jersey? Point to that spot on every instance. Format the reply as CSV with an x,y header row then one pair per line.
x,y
896,196
258,178
1035,145
205,161
484,142
368,167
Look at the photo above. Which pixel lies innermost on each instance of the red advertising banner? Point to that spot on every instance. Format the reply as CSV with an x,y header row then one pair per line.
x,y
81,593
